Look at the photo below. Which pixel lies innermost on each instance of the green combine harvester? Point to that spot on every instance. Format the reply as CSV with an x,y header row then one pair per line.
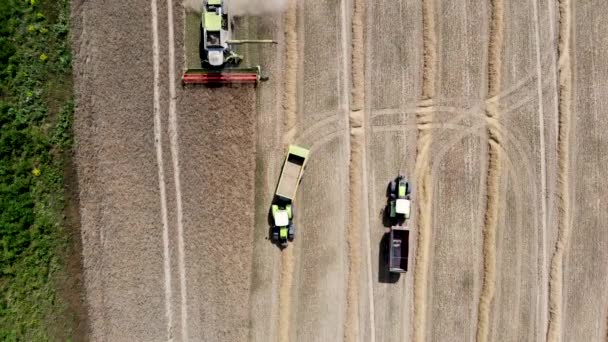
x,y
283,229
220,64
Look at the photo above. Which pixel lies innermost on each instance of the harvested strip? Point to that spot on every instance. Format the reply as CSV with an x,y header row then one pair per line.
x,y
423,170
429,48
423,199
357,146
489,234
290,88
351,327
358,56
495,48
289,132
563,146
494,170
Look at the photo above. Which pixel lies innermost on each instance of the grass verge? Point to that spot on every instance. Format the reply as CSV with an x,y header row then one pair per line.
x,y
36,111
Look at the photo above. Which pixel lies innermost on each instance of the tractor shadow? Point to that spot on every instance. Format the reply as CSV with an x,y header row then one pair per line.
x,y
387,222
271,228
384,276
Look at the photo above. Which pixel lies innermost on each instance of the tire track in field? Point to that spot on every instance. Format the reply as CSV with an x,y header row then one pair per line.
x,y
161,172
422,171
563,146
494,170
357,158
542,299
174,148
290,90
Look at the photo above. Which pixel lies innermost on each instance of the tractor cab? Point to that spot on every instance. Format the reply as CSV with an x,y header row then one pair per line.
x,y
283,227
281,218
400,198
402,206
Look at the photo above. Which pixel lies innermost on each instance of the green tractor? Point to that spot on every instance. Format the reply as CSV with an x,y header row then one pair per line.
x,y
284,229
400,201
282,210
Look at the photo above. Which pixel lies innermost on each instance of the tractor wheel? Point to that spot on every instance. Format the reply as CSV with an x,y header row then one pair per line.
x,y
275,234
393,189
233,59
274,210
201,46
393,212
292,231
288,209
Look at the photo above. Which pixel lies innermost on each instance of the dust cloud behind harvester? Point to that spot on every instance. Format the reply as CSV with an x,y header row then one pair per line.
x,y
244,7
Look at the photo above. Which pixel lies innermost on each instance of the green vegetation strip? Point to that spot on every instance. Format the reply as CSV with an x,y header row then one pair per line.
x,y
36,111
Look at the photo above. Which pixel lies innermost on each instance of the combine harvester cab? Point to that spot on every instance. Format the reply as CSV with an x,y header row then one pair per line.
x,y
220,64
400,207
283,228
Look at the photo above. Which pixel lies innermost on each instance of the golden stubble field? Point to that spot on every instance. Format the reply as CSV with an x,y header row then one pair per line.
x,y
493,110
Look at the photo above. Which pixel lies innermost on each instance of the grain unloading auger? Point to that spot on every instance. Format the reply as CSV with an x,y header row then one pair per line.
x,y
220,64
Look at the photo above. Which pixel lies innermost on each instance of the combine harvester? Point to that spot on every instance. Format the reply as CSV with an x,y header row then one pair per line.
x,y
220,64
400,207
283,229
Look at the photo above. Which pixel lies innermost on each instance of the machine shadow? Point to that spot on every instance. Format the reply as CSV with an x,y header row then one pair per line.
x,y
270,222
384,276
271,227
387,222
